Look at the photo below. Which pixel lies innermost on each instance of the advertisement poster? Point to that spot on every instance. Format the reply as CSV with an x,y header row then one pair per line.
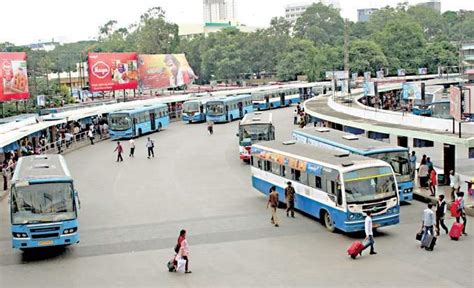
x,y
13,77
401,72
355,76
113,71
380,74
369,88
339,75
367,76
423,71
164,71
411,91
455,103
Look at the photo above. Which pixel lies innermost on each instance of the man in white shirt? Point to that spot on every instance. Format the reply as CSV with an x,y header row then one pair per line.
x,y
428,223
369,234
132,148
455,183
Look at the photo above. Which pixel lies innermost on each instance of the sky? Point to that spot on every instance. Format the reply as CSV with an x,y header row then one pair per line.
x,y
68,21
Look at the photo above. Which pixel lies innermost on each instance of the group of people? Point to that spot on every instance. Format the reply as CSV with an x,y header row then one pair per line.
x,y
300,117
8,167
273,203
428,177
150,146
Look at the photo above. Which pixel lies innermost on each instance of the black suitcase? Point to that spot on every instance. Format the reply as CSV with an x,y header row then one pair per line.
x,y
418,236
429,242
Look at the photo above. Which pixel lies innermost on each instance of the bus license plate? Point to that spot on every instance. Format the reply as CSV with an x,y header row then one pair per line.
x,y
48,242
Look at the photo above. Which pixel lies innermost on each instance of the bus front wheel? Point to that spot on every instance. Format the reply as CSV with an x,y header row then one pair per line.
x,y
328,222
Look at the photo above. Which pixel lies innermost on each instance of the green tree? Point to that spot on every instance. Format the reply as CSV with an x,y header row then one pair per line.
x,y
321,24
441,53
294,61
366,55
430,21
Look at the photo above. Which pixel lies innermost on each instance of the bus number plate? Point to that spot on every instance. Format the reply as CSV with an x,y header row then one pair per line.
x,y
48,242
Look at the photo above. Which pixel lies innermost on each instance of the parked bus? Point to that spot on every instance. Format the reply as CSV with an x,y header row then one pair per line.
x,y
229,108
129,123
337,188
275,98
398,157
43,203
194,110
255,127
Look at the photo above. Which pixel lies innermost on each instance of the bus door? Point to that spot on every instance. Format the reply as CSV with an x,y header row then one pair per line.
x,y
282,99
152,120
241,111
267,101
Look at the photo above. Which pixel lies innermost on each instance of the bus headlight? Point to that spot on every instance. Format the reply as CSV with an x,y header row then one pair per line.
x,y
70,231
20,235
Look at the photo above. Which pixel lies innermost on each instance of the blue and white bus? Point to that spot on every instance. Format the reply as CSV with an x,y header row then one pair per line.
x,y
337,188
194,110
129,123
255,127
229,108
43,203
398,157
275,98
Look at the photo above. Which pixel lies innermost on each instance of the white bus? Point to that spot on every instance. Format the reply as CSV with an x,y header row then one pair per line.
x,y
335,187
255,127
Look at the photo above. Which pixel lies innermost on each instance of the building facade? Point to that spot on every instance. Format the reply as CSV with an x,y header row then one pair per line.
x,y
294,11
363,15
219,11
435,5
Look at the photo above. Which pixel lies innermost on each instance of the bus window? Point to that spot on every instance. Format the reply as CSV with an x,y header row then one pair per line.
x,y
311,181
284,171
318,182
275,168
296,174
267,166
330,187
304,178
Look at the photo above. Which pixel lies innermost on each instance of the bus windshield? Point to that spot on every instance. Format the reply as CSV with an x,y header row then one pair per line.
x,y
189,107
119,122
215,108
256,132
369,184
45,202
399,161
441,110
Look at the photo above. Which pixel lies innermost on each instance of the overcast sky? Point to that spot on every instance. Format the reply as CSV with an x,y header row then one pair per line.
x,y
29,21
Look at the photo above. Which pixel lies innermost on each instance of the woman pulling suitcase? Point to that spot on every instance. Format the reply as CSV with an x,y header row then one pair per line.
x,y
180,263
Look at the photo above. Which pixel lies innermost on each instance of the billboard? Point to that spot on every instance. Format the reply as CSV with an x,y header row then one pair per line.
x,y
112,71
401,72
339,75
164,71
411,91
13,77
380,74
423,71
369,88
455,103
367,76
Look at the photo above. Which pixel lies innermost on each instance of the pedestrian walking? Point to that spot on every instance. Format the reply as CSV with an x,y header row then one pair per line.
x,y
462,211
59,143
423,174
454,183
413,163
427,224
150,145
182,249
440,213
119,150
295,118
131,142
68,137
210,127
433,182
273,203
369,234
290,200
5,175
429,163
90,134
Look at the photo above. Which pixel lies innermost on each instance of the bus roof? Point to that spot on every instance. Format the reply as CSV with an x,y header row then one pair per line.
x,y
141,108
231,98
333,158
256,118
41,167
359,144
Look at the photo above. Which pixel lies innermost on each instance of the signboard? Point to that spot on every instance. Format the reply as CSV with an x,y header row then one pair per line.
x,y
367,76
401,72
469,100
164,71
112,71
337,75
423,71
41,101
455,103
355,76
411,91
369,88
380,74
13,76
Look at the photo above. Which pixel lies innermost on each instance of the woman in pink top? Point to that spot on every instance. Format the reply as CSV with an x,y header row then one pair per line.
x,y
183,249
433,182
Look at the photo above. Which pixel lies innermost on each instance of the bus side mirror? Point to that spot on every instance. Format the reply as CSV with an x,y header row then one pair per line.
x,y
78,201
339,194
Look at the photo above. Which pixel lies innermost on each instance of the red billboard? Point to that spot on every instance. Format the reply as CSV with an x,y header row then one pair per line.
x,y
455,103
112,71
13,76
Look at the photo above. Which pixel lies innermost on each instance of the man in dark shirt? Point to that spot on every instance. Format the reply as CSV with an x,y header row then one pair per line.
x,y
273,203
290,200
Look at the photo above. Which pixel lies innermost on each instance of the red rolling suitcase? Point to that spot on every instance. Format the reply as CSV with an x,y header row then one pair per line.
x,y
456,231
355,248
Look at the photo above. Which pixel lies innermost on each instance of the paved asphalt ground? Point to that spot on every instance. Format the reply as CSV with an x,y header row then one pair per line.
x,y
132,212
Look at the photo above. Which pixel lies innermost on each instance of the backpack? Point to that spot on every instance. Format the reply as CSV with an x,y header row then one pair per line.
x,y
455,209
